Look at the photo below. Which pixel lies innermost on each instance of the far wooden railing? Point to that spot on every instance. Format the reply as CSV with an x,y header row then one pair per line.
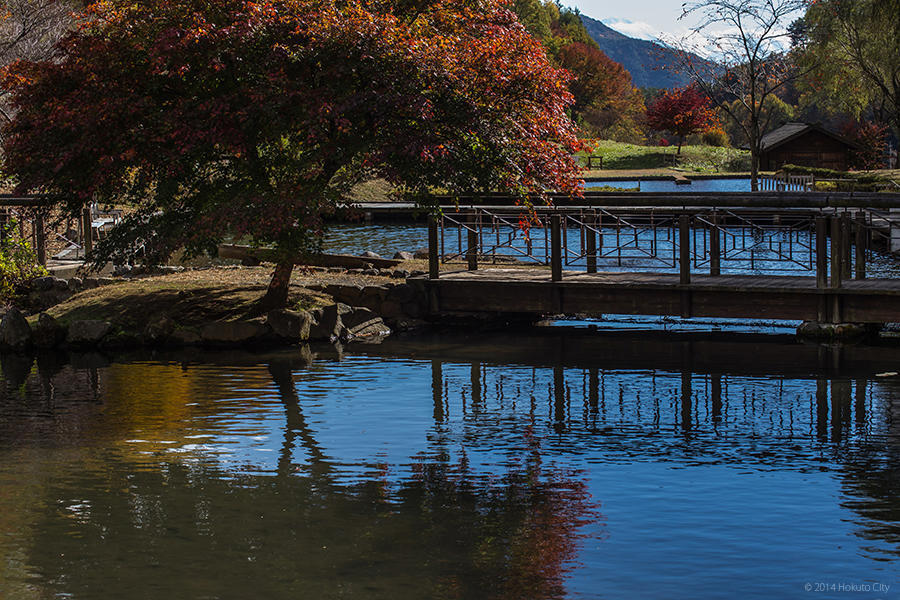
x,y
38,206
783,182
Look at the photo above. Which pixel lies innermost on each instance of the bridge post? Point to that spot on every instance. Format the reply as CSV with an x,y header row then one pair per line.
x,y
715,248
472,242
821,252
87,229
837,253
822,267
434,267
590,244
555,248
846,258
837,266
861,243
40,237
684,245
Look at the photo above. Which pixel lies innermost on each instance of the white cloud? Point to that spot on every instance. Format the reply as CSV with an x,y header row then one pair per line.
x,y
635,29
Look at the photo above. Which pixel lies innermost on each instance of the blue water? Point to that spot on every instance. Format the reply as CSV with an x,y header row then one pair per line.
x,y
764,252
452,466
697,185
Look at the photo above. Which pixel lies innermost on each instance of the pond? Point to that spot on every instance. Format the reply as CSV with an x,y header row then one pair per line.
x,y
729,184
550,462
768,253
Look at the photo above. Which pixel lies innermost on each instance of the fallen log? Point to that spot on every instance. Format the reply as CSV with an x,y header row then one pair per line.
x,y
248,253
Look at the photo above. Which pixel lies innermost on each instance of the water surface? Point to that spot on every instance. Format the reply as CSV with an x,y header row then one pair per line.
x,y
546,463
730,184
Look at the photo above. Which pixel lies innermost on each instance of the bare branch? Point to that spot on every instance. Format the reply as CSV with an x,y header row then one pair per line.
x,y
746,42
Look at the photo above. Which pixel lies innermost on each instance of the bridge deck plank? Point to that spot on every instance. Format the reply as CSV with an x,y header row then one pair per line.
x,y
628,279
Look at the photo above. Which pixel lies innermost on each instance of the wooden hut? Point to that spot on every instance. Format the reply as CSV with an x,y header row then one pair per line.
x,y
805,145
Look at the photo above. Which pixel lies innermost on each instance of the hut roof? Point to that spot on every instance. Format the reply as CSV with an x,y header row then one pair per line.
x,y
791,131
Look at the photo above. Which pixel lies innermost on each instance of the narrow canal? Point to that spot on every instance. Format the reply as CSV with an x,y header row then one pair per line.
x,y
551,462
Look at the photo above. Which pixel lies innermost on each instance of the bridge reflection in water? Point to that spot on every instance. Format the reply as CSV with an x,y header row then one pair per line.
x,y
537,463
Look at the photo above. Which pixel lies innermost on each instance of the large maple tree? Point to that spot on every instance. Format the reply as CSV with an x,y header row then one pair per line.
x,y
218,118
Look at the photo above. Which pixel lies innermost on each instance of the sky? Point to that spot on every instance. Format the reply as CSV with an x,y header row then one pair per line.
x,y
646,19
655,20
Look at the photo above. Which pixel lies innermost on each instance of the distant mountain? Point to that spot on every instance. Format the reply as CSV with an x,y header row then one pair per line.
x,y
650,65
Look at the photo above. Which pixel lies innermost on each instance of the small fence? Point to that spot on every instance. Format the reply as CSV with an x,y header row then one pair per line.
x,y
783,182
730,241
48,232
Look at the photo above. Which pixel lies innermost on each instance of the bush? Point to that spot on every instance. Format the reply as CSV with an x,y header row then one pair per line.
x,y
18,262
716,137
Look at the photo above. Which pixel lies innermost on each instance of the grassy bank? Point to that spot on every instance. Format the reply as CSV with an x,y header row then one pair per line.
x,y
619,158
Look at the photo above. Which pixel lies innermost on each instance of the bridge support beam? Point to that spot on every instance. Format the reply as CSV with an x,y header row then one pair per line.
x,y
472,243
555,248
590,245
861,244
434,266
87,230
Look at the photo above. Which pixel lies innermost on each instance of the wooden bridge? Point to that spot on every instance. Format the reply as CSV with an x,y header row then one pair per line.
x,y
822,259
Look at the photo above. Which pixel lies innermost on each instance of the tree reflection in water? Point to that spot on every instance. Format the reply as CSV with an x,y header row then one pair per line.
x,y
102,519
191,528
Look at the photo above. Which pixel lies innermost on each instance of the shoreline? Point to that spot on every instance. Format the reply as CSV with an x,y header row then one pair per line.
x,y
212,308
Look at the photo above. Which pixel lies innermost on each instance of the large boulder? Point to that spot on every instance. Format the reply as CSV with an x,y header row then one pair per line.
x,y
402,293
290,325
233,333
359,316
342,292
87,332
42,284
48,333
403,255
186,337
370,254
373,329
330,324
362,323
391,310
160,330
15,333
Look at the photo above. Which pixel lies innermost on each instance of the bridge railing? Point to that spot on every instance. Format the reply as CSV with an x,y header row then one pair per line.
x,y
834,245
784,182
39,223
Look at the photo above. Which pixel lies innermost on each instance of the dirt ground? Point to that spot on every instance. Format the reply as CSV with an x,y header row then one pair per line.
x,y
195,297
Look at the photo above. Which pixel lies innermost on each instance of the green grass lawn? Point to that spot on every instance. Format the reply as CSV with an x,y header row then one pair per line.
x,y
694,159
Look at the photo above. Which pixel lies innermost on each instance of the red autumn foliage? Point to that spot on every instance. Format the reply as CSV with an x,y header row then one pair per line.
x,y
599,80
872,139
254,119
682,112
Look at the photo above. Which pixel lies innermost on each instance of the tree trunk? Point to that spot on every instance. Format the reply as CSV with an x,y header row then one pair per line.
x,y
680,143
754,169
277,293
754,153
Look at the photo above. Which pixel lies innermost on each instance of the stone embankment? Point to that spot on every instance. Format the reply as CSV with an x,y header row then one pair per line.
x,y
366,311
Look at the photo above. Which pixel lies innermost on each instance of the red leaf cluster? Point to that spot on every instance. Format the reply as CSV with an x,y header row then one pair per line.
x,y
682,112
255,117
